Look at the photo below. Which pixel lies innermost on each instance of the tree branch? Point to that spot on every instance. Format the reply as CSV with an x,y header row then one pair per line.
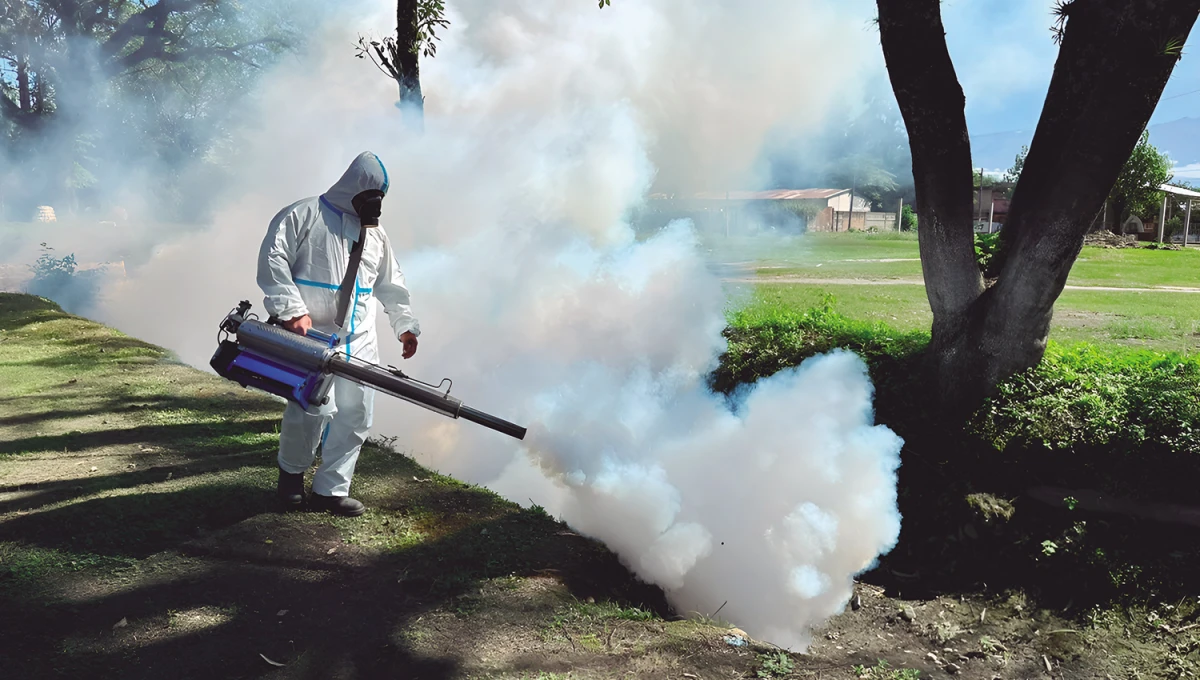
x,y
10,111
933,106
1114,63
151,21
158,50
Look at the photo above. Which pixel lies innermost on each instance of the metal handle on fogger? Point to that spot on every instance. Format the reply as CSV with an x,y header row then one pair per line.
x,y
268,357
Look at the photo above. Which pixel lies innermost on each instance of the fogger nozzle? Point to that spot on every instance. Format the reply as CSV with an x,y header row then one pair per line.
x,y
300,368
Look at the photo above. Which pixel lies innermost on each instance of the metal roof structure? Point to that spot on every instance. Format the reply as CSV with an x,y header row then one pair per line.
x,y
1177,191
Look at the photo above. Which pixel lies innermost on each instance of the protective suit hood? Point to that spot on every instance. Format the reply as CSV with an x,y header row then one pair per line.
x,y
365,173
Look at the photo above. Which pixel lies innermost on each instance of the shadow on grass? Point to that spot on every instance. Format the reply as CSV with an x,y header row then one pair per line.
x,y
143,523
345,612
104,401
34,496
18,310
196,439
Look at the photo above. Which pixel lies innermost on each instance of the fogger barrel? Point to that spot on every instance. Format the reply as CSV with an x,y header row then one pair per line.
x,y
268,357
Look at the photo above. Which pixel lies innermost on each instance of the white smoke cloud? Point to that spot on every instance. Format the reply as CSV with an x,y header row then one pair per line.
x,y
546,123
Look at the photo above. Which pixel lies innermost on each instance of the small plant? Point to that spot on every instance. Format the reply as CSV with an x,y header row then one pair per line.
x,y
986,247
945,631
57,278
882,671
777,665
50,268
1049,547
1071,502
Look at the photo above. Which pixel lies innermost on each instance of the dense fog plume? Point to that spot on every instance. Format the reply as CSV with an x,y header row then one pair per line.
x,y
546,124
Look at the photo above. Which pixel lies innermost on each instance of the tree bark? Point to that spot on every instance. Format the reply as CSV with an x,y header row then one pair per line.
x,y
933,106
1114,61
407,59
23,92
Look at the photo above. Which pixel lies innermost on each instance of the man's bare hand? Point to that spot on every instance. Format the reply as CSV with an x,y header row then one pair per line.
x,y
410,343
299,325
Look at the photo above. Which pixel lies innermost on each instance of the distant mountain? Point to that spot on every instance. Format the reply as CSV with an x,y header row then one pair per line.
x,y
1179,139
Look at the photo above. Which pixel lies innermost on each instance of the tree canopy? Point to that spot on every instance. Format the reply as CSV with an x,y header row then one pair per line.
x,y
86,85
1136,189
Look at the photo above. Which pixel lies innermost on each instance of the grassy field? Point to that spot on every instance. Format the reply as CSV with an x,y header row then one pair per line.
x,y
138,539
1129,318
1164,321
896,256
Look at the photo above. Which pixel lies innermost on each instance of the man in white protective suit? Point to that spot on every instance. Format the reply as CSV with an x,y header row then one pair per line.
x,y
325,256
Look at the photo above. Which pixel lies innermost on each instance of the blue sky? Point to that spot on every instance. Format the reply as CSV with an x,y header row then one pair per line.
x,y
1004,55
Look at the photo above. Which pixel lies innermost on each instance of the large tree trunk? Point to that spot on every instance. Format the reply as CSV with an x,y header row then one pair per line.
x,y
1114,62
408,64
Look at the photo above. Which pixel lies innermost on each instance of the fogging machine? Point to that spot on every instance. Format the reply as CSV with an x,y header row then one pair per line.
x,y
300,368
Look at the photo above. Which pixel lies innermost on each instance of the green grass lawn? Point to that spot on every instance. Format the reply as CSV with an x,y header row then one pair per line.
x,y
139,538
865,256
1150,319
813,249
1163,321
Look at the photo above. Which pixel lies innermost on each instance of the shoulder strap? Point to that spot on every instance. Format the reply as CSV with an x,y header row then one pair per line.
x,y
350,280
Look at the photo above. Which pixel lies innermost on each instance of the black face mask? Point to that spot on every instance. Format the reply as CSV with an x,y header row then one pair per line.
x,y
368,205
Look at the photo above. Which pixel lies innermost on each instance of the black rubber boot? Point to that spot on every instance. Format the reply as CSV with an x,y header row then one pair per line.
x,y
337,505
291,490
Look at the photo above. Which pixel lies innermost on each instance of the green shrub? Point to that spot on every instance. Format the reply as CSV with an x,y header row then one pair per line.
x,y
1117,421
1126,407
1082,397
766,337
986,247
56,278
908,218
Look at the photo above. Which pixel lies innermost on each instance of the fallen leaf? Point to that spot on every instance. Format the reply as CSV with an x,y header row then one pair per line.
x,y
331,550
121,624
281,612
268,541
273,663
93,469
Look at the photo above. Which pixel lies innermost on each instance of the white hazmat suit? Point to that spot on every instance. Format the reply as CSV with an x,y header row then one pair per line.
x,y
300,266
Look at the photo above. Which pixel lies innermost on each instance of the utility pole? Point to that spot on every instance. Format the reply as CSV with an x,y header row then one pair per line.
x,y
979,212
1162,217
853,186
1187,222
899,214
